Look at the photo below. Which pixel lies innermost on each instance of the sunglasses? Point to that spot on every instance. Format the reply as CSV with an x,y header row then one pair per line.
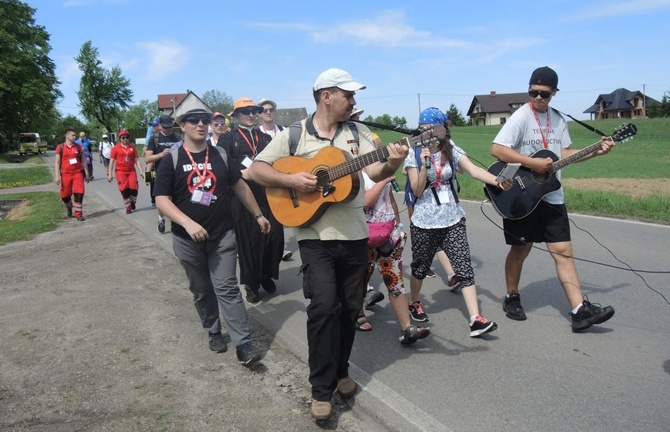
x,y
219,123
248,111
542,94
124,137
196,120
269,110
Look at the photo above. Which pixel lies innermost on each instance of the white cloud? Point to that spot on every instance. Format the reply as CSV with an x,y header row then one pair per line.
x,y
163,58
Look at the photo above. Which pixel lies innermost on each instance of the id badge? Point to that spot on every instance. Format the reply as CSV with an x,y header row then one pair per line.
x,y
443,194
247,162
73,161
201,197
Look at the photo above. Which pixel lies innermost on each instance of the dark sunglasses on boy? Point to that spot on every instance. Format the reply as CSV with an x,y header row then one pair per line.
x,y
543,94
196,120
247,111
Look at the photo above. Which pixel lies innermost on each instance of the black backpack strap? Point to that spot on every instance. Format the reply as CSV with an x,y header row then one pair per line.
x,y
294,132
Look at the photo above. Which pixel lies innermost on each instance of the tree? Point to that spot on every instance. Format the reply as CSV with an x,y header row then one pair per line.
x,y
661,109
140,115
103,93
455,116
218,101
28,83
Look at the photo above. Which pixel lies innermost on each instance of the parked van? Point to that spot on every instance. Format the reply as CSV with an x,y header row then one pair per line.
x,y
30,142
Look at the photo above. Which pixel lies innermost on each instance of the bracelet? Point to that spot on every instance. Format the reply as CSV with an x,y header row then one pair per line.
x,y
258,216
399,225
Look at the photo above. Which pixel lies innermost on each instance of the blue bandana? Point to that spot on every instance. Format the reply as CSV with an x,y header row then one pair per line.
x,y
432,116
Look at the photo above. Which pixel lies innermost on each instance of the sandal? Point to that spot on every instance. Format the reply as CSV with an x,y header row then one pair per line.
x,y
362,324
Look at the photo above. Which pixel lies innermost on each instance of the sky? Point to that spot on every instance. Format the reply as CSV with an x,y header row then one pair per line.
x,y
410,55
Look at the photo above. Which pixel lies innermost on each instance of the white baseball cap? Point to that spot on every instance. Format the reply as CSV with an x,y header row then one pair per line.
x,y
334,77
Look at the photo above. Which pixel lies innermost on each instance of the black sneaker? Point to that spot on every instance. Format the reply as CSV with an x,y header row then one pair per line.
x,y
248,353
430,274
481,325
454,283
269,285
216,343
132,206
417,313
589,314
161,226
81,218
372,298
412,334
512,305
252,294
128,211
69,213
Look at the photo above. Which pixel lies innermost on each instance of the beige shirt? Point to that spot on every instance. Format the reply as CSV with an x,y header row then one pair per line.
x,y
340,221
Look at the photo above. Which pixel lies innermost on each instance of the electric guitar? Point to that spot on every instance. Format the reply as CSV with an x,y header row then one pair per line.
x,y
530,187
337,179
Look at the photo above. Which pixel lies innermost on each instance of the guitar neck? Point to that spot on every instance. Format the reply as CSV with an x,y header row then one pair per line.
x,y
358,163
562,163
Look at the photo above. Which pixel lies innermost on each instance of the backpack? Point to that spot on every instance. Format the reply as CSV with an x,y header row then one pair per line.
x,y
410,198
295,130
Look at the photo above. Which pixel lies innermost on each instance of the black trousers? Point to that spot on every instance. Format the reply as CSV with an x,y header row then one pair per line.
x,y
334,274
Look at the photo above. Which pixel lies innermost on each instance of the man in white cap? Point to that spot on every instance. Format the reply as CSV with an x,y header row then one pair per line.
x,y
333,249
105,150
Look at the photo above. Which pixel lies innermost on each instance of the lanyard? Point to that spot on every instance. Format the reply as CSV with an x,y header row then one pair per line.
x,y
272,133
438,173
201,176
251,147
545,133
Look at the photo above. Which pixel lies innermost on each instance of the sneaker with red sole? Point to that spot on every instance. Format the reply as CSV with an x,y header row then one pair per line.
x,y
481,325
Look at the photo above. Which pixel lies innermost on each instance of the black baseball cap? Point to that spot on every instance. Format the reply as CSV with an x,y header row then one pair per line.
x,y
545,76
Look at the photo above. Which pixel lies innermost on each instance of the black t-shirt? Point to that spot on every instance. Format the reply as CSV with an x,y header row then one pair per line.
x,y
164,142
216,218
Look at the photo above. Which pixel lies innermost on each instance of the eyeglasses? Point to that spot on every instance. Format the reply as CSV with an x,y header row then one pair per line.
x,y
219,123
248,111
124,137
269,110
542,94
196,120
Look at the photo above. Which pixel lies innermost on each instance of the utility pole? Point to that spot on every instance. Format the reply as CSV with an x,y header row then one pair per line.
x,y
644,97
418,95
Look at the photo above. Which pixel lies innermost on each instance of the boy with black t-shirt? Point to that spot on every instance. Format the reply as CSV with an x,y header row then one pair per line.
x,y
195,195
157,148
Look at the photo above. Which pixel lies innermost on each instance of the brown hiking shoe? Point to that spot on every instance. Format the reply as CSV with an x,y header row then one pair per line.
x,y
320,410
346,387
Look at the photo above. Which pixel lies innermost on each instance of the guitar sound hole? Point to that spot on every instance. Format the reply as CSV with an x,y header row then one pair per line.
x,y
541,177
321,178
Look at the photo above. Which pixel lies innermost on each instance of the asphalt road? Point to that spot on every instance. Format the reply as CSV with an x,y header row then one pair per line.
x,y
526,376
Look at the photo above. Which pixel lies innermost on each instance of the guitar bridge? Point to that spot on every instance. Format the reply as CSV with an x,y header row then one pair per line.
x,y
519,181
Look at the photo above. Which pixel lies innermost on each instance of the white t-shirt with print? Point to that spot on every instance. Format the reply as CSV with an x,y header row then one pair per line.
x,y
523,134
382,210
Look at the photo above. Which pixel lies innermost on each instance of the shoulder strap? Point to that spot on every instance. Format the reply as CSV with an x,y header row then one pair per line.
x,y
222,152
353,128
295,130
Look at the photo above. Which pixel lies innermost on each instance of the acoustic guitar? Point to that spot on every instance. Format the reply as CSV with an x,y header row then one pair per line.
x,y
337,179
530,187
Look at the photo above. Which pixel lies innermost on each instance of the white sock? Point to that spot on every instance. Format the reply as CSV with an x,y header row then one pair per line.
x,y
574,311
473,318
161,218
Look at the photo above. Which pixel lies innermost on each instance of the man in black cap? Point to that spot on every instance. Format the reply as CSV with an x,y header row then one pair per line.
x,y
531,128
157,148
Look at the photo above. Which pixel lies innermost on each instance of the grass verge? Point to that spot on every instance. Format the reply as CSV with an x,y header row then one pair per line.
x,y
28,176
43,213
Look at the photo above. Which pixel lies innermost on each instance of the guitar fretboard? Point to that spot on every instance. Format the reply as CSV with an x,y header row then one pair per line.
x,y
356,164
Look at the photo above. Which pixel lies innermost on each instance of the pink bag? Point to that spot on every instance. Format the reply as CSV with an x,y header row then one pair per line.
x,y
379,233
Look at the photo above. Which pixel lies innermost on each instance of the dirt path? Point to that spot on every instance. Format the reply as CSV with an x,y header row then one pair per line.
x,y
98,332
636,188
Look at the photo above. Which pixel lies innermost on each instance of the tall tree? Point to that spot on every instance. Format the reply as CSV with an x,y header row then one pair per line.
x,y
661,109
455,116
103,93
218,101
28,84
140,115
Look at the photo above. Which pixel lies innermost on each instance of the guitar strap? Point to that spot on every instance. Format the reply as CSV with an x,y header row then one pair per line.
x,y
587,126
295,130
